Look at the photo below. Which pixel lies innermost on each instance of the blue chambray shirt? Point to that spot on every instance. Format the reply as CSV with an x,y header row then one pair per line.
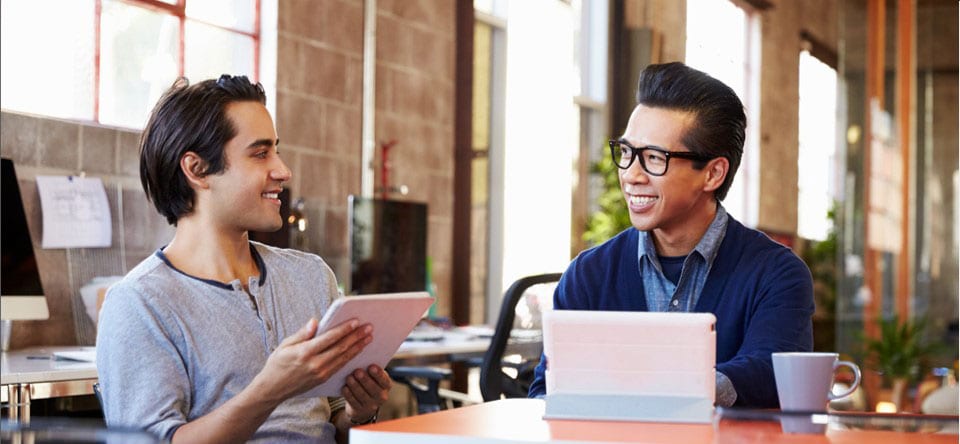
x,y
663,295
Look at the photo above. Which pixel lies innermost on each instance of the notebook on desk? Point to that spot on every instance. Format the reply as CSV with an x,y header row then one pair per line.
x,y
630,366
76,354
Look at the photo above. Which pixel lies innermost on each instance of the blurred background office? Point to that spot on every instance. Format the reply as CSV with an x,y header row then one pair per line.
x,y
494,114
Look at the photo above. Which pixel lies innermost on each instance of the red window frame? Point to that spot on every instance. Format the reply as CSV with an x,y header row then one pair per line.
x,y
178,10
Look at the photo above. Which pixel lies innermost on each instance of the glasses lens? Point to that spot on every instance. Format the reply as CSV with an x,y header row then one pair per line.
x,y
654,161
622,154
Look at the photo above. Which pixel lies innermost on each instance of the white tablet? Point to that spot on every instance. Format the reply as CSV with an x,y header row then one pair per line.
x,y
630,365
392,316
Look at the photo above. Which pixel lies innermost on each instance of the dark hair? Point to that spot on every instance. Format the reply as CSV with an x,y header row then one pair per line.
x,y
189,118
720,122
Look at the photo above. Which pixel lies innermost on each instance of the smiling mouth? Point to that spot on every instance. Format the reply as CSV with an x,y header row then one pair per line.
x,y
641,200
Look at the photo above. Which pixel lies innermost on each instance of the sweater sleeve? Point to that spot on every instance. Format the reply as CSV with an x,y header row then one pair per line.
x,y
779,320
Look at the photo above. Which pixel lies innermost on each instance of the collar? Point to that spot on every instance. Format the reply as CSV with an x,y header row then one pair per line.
x,y
707,248
261,266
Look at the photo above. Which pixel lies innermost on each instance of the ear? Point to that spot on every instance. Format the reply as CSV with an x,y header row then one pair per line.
x,y
194,169
716,171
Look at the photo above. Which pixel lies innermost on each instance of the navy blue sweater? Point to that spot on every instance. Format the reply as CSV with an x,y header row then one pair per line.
x,y
760,292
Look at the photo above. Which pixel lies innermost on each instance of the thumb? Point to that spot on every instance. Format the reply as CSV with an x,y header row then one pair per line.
x,y
308,331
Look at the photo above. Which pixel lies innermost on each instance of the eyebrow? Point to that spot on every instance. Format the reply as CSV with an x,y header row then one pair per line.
x,y
260,143
640,147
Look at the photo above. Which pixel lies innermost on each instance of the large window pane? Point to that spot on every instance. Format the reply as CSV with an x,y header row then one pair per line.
x,y
138,59
47,57
234,14
816,158
717,43
212,51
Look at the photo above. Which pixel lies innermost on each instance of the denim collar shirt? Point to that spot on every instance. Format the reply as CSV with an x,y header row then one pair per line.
x,y
662,294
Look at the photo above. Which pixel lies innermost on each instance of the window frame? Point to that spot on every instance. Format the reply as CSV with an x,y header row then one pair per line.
x,y
178,10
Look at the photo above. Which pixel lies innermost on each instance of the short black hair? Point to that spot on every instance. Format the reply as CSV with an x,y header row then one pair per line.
x,y
189,118
720,120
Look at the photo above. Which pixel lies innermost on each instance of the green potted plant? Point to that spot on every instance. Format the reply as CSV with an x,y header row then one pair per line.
x,y
900,354
821,259
612,217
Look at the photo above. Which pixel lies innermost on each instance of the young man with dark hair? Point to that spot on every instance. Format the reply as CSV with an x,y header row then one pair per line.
x,y
684,253
212,338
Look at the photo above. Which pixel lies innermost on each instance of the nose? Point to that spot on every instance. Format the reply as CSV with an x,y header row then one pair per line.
x,y
281,172
634,173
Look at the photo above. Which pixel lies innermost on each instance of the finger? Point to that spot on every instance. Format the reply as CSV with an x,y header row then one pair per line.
x,y
332,336
358,338
301,335
363,387
380,376
350,398
332,359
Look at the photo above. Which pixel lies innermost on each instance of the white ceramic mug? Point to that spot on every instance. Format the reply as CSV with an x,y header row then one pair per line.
x,y
804,383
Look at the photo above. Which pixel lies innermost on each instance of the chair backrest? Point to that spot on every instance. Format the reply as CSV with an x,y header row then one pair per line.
x,y
493,381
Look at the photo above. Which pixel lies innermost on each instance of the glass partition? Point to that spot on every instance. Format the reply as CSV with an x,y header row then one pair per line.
x,y
898,220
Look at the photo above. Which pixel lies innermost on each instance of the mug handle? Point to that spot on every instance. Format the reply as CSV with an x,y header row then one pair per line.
x,y
856,380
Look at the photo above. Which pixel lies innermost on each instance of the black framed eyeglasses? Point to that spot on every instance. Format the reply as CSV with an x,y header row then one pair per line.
x,y
653,159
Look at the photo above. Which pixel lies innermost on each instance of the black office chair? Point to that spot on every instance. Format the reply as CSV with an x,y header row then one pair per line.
x,y
494,382
424,383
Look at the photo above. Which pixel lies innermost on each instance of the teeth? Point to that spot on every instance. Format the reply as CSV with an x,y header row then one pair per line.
x,y
271,195
641,200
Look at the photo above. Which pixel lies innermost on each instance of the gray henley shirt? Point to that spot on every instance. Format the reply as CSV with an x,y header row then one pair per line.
x,y
173,347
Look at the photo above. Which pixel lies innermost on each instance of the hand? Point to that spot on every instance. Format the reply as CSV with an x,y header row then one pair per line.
x,y
365,392
303,360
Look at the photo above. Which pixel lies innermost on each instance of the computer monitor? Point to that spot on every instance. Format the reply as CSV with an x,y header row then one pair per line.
x,y
388,245
21,292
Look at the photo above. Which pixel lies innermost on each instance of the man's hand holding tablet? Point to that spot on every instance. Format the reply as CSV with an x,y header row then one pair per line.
x,y
391,317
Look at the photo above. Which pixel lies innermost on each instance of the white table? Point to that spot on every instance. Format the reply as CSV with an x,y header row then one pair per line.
x,y
33,373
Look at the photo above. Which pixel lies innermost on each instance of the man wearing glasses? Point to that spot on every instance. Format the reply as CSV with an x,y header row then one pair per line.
x,y
677,159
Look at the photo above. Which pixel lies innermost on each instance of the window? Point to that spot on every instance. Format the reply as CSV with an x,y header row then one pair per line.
x,y
489,70
110,60
816,157
722,41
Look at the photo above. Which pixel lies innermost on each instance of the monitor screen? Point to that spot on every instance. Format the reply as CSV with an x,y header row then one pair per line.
x,y
388,246
20,288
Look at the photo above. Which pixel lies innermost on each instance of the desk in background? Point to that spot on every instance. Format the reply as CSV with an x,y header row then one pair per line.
x,y
461,343
521,421
443,345
23,378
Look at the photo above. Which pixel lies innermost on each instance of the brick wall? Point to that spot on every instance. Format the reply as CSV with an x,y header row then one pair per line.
x,y
779,95
43,146
319,95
